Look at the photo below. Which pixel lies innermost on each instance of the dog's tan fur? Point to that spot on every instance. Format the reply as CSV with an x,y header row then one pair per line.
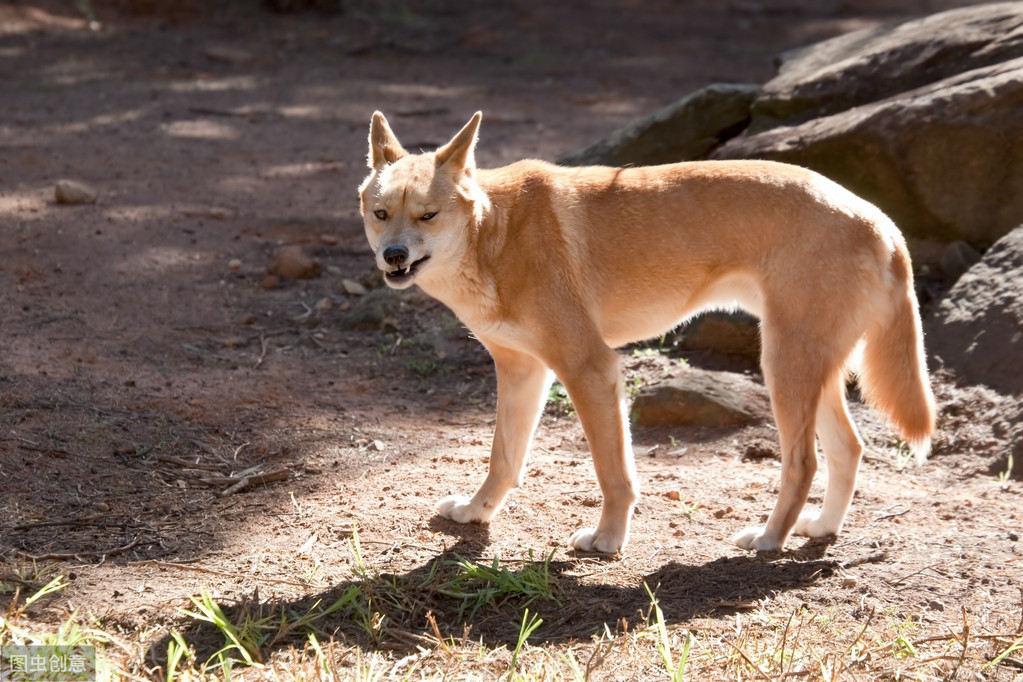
x,y
552,268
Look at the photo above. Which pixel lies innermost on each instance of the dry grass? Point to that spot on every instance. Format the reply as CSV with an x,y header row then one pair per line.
x,y
382,627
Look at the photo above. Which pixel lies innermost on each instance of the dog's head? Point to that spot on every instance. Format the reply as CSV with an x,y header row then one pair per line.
x,y
418,207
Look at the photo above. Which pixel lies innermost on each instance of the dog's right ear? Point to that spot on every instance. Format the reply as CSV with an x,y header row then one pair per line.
x,y
384,148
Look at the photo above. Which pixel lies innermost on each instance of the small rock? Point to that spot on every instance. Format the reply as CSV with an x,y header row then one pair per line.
x,y
722,513
377,445
74,192
329,239
323,305
292,262
270,282
227,55
849,582
702,398
354,288
234,264
374,311
333,271
674,495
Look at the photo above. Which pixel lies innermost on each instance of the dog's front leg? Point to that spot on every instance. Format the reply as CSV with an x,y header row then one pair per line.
x,y
595,386
522,384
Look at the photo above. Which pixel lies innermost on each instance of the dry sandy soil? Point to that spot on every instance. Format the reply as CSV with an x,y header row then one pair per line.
x,y
147,359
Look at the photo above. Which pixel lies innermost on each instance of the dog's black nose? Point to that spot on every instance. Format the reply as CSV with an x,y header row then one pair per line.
x,y
395,256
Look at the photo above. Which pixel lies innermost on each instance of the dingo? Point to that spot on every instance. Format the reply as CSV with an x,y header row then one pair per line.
x,y
552,268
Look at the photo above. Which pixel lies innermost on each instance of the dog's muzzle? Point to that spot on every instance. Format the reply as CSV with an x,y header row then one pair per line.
x,y
402,272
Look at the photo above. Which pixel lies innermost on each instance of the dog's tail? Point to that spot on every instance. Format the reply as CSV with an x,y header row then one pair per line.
x,y
893,374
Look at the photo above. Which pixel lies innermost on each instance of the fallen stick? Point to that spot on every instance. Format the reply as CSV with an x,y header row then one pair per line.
x,y
78,555
238,483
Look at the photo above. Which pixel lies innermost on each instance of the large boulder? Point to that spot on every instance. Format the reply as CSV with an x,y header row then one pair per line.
x,y
688,129
876,63
945,161
977,329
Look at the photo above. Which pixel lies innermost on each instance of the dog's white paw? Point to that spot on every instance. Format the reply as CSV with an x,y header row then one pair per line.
x,y
811,525
755,538
460,509
592,540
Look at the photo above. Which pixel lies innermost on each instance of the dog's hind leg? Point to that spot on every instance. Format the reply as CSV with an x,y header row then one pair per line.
x,y
842,449
794,374
522,384
595,386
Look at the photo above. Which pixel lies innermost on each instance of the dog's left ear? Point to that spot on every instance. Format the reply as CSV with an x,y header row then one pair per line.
x,y
458,154
384,147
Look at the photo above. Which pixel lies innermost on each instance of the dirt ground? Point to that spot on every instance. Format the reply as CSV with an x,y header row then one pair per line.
x,y
148,362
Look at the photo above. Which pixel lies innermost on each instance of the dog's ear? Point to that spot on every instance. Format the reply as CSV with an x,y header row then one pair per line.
x,y
384,147
458,154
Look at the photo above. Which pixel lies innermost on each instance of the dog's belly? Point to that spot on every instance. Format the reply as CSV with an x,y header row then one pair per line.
x,y
642,317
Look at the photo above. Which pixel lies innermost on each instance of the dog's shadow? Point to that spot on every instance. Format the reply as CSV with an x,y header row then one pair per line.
x,y
404,610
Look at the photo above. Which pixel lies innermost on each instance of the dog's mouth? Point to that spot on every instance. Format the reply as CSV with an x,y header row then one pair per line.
x,y
402,277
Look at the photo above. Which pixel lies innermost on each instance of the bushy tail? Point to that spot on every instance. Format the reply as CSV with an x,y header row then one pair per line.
x,y
893,375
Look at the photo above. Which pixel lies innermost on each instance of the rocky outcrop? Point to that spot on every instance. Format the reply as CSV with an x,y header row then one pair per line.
x,y
688,129
877,63
945,161
977,329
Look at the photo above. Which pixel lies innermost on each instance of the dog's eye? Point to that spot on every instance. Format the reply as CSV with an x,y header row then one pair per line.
x,y
428,216
381,214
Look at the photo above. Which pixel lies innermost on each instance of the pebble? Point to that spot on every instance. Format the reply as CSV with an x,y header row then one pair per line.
x,y
234,264
292,262
329,239
354,288
74,192
228,55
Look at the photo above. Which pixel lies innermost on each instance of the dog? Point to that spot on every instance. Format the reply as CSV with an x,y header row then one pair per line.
x,y
552,268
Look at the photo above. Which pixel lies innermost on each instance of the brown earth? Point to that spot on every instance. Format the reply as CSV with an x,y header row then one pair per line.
x,y
147,356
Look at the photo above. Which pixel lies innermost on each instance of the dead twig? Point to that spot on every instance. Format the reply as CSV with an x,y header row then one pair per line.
x,y
211,571
84,521
78,555
188,464
244,480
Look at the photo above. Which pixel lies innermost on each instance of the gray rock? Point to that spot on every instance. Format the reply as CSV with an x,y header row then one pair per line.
x,y
977,330
945,161
870,65
686,130
372,312
702,398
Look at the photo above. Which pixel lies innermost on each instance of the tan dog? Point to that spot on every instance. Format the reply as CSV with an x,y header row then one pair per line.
x,y
552,268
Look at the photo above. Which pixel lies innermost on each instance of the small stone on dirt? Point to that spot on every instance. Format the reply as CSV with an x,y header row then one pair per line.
x,y
234,264
329,239
73,192
292,262
227,55
674,495
354,288
323,305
